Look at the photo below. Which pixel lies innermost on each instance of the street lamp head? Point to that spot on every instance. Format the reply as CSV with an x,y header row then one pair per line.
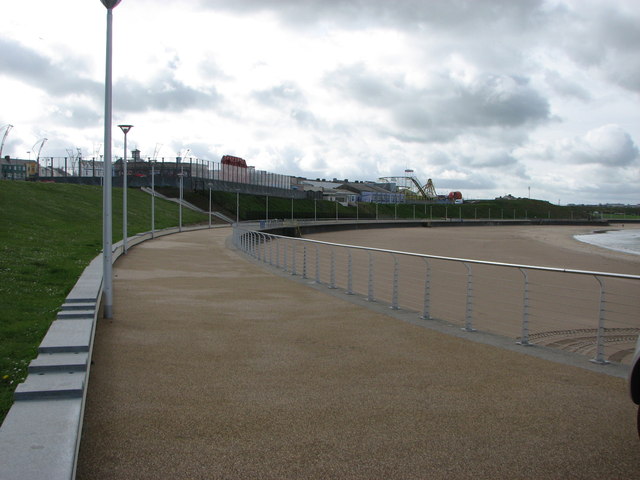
x,y
110,4
125,128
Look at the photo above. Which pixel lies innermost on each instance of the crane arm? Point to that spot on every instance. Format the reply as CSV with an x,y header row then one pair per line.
x,y
4,137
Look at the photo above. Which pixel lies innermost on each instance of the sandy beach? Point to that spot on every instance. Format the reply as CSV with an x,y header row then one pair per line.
x,y
551,246
563,309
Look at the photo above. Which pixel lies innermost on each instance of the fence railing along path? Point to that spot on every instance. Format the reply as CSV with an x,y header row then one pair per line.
x,y
593,313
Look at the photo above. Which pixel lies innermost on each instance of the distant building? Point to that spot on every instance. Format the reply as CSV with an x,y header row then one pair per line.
x,y
12,169
17,169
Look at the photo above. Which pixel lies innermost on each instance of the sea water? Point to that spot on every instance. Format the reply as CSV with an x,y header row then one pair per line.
x,y
627,241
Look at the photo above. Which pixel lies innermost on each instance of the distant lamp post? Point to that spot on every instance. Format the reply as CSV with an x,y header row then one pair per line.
x,y
237,207
181,175
210,185
153,198
125,129
107,254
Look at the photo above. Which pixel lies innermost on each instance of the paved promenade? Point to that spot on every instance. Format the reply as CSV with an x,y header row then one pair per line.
x,y
215,368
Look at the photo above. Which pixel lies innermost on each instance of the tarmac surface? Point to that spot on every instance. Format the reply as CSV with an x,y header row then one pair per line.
x,y
214,367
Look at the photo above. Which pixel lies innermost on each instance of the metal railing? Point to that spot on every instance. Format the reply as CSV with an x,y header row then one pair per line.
x,y
593,313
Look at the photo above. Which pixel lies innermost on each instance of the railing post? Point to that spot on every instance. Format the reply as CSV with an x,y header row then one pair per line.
x,y
349,274
524,340
271,251
370,295
601,330
317,264
427,292
469,313
278,253
293,259
304,261
394,295
332,281
284,268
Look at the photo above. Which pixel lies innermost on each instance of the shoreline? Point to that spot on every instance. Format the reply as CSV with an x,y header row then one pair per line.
x,y
596,237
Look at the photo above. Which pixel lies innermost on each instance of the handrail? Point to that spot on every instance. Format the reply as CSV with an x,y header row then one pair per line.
x,y
461,260
546,306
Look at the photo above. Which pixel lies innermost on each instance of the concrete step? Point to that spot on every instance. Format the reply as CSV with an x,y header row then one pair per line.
x,y
78,306
68,335
51,385
59,362
71,314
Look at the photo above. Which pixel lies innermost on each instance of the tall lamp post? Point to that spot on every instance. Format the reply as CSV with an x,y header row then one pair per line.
x,y
125,129
181,175
153,198
107,214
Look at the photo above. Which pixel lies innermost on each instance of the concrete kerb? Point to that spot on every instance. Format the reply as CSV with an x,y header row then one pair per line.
x,y
40,436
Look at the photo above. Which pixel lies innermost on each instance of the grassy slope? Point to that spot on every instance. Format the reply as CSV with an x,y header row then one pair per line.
x,y
253,207
48,234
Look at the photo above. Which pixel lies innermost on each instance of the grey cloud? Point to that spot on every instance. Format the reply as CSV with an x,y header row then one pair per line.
x,y
279,95
496,160
446,111
566,87
403,13
496,100
40,72
164,93
606,37
304,118
609,145
80,116
210,69
474,183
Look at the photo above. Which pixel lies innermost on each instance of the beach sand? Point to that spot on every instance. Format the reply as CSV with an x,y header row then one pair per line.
x,y
550,246
564,310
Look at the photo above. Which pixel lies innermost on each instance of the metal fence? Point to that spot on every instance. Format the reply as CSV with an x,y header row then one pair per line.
x,y
190,167
592,313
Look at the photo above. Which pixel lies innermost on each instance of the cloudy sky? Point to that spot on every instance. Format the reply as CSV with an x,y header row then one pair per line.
x,y
488,97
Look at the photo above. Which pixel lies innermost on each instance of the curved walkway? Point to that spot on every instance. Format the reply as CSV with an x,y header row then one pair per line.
x,y
213,367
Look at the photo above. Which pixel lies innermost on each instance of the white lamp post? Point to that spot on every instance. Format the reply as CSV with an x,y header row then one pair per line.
x,y
107,255
181,175
153,198
125,129
209,205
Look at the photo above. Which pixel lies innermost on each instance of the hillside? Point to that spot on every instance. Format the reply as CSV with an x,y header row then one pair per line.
x,y
49,233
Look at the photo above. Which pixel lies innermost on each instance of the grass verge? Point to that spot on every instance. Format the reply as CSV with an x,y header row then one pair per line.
x,y
49,233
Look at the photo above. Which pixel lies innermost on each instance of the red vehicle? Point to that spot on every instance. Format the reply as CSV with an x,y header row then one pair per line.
x,y
234,161
455,197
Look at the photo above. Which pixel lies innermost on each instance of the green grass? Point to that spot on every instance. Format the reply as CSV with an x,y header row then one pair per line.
x,y
49,233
